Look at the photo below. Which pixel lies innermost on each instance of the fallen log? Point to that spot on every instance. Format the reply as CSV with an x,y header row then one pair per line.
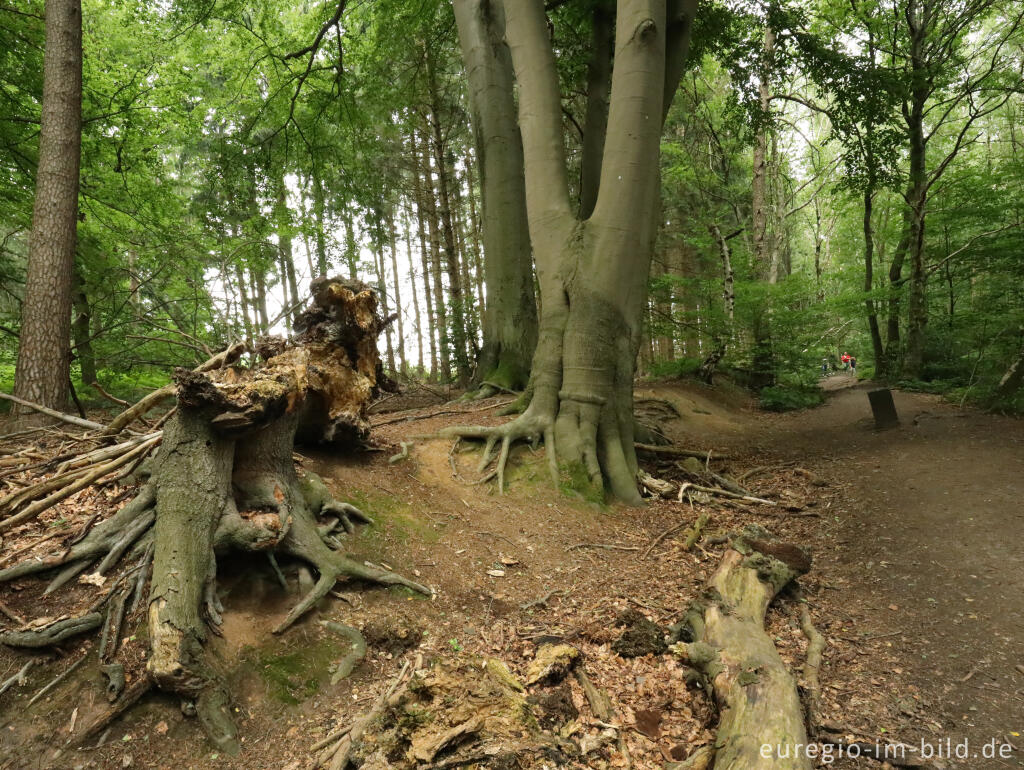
x,y
761,724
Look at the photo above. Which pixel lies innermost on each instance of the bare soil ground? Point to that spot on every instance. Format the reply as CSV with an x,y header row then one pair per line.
x,y
917,586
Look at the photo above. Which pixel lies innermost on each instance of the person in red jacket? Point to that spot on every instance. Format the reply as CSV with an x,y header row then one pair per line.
x,y
845,358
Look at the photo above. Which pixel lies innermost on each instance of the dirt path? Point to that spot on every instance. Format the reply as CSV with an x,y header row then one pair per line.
x,y
929,554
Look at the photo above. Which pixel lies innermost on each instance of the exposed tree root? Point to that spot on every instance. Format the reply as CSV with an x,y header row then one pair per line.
x,y
755,693
223,480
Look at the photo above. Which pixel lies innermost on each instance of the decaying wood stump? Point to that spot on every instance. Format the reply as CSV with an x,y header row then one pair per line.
x,y
224,480
762,720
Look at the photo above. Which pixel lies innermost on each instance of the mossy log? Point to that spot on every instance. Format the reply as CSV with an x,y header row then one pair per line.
x,y
761,723
224,480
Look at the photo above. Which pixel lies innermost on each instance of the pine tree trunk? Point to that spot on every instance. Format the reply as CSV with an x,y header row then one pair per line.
x,y
243,302
260,282
451,254
42,374
407,221
393,238
382,291
421,221
284,241
440,309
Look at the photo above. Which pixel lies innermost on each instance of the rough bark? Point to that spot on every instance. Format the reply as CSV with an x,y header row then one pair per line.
x,y
725,640
510,315
421,223
44,354
592,274
458,335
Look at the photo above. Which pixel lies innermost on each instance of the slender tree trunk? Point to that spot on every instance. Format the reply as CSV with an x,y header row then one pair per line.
x,y
440,309
465,280
420,171
869,282
412,282
259,281
351,248
43,370
243,302
510,321
321,225
81,331
403,366
474,237
284,244
382,290
451,256
765,265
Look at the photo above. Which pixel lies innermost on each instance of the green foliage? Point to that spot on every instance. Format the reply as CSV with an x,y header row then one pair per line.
x,y
785,398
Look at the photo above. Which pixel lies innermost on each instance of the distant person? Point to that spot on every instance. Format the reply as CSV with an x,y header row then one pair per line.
x,y
825,365
845,359
853,365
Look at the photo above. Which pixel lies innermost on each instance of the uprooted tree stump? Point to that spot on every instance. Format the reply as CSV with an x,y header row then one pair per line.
x,y
762,721
223,480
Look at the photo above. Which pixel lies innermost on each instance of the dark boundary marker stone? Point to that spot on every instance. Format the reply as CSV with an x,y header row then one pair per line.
x,y
883,408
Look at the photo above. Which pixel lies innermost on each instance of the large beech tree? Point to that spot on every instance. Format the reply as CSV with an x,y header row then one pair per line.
x,y
592,272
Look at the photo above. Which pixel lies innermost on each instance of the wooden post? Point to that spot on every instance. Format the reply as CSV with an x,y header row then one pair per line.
x,y
884,408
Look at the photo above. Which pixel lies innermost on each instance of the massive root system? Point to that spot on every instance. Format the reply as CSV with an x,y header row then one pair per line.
x,y
222,480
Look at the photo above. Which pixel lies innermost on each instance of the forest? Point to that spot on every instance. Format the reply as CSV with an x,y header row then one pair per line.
x,y
343,284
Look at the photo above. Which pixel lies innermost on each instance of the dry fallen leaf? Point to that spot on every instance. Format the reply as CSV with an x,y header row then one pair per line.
x,y
496,572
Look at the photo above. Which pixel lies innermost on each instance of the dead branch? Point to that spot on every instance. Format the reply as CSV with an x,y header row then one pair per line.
x,y
68,418
59,678
674,451
721,493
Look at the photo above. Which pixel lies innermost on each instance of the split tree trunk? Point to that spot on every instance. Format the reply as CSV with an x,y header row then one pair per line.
x,y
592,274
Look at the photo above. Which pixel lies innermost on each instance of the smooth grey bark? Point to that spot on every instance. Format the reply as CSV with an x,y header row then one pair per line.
x,y
592,274
42,374
510,318
440,310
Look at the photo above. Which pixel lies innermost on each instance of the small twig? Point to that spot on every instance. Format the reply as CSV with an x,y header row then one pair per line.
x,y
675,451
18,678
606,546
11,614
543,601
60,678
662,536
722,493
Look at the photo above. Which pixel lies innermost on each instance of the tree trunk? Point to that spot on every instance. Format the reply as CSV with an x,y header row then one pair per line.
x,y
592,274
869,283
42,374
451,255
721,343
82,332
440,314
284,242
407,216
321,225
259,280
474,236
382,290
510,314
755,693
419,194
764,263
393,243
243,301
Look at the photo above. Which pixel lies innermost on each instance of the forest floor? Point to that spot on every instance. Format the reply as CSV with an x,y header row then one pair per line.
x,y
917,586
